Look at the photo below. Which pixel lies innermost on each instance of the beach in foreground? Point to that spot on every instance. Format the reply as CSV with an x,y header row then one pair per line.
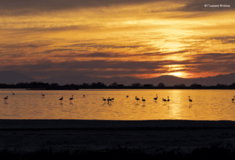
x,y
151,136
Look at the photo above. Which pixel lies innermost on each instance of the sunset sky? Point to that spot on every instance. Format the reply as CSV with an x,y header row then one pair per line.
x,y
107,38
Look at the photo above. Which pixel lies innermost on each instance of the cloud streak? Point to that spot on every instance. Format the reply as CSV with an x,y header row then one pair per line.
x,y
24,7
211,62
28,6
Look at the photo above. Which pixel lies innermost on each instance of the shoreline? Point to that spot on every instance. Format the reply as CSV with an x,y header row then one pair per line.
x,y
151,136
74,123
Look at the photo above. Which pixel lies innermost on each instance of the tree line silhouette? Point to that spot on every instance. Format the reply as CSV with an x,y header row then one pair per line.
x,y
114,85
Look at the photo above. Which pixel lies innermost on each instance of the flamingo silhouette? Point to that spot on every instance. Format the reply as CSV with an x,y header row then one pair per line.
x,y
137,98
43,95
109,99
61,99
189,99
155,97
164,99
168,99
103,99
127,96
143,99
13,93
5,98
233,98
71,99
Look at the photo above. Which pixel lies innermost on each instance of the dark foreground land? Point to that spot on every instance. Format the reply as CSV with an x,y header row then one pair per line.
x,y
151,137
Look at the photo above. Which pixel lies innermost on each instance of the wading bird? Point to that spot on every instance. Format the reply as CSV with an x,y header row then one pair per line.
x,y
164,99
103,99
233,98
13,93
137,98
110,99
155,97
143,99
71,99
189,99
61,99
168,99
43,95
5,98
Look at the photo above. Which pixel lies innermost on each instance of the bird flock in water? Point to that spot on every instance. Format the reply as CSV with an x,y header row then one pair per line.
x,y
112,99
43,95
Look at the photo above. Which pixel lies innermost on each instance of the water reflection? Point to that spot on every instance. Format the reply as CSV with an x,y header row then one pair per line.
x,y
190,105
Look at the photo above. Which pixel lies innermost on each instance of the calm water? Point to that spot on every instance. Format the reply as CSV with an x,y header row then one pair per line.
x,y
206,105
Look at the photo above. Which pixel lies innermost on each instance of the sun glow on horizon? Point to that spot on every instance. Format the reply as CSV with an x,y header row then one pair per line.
x,y
177,74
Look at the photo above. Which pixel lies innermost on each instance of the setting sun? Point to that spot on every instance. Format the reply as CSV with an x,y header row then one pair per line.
x,y
177,74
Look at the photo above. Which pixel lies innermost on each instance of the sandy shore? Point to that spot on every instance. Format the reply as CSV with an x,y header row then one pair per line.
x,y
152,136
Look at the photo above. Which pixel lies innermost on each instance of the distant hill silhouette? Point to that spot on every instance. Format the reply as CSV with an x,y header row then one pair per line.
x,y
167,80
9,77
62,80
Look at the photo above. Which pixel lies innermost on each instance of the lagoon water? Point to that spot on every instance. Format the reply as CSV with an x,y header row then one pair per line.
x,y
206,105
